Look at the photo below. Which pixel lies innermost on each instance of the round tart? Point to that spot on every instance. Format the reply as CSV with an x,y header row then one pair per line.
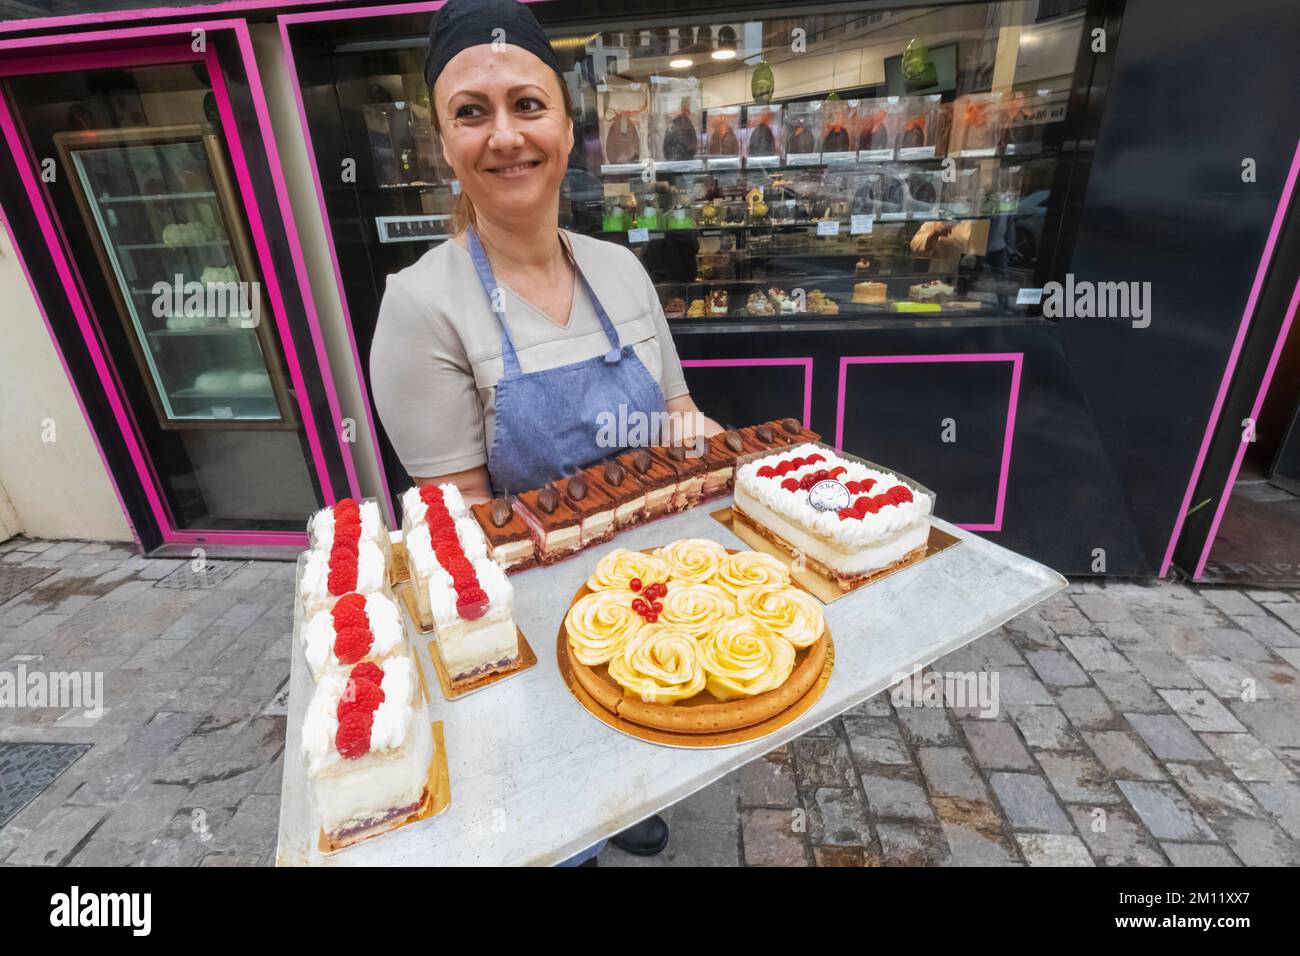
x,y
730,644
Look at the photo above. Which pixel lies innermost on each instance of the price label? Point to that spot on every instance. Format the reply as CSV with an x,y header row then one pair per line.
x,y
828,227
862,224
638,235
1029,297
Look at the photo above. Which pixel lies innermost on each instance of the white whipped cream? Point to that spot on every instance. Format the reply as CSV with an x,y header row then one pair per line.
x,y
414,508
385,624
493,581
388,730
322,526
371,572
845,534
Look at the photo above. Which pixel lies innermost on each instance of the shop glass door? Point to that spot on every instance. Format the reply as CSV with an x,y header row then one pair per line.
x,y
139,177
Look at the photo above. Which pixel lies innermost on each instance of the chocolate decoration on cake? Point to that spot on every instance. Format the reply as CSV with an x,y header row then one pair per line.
x,y
501,512
791,425
734,441
615,473
547,499
764,434
577,488
641,461
677,453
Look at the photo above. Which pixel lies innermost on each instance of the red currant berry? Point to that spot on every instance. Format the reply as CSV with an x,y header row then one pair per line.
x,y
635,584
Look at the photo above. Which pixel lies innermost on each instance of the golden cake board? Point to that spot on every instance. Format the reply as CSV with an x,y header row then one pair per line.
x,y
819,585
437,798
667,738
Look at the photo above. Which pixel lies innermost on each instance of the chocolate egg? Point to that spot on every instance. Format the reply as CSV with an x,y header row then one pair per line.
x,y
764,434
577,488
641,461
733,441
548,499
615,473
791,425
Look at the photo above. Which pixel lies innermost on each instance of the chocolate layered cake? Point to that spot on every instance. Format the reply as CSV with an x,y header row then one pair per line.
x,y
794,428
720,462
765,438
594,508
689,469
556,528
510,544
656,477
623,489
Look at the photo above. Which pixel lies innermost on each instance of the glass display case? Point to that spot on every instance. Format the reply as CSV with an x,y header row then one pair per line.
x,y
159,206
856,164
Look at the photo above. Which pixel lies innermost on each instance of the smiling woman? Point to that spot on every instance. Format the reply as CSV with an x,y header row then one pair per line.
x,y
500,354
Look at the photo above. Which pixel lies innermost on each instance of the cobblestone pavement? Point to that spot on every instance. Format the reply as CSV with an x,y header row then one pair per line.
x,y
1137,725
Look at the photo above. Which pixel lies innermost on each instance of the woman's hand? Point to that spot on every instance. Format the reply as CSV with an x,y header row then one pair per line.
x,y
474,484
688,424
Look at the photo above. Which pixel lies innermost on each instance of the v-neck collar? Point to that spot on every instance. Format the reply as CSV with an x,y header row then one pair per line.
x,y
572,256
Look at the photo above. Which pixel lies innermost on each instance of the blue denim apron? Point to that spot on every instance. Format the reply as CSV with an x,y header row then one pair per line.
x,y
547,421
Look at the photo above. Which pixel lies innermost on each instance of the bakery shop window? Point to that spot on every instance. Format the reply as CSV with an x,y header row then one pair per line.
x,y
769,170
861,164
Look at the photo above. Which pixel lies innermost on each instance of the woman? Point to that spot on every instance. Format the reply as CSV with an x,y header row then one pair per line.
x,y
499,353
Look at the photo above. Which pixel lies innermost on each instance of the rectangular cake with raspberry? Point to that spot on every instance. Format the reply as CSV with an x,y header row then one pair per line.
x,y
847,520
556,528
359,627
345,567
368,745
623,489
657,480
350,519
510,543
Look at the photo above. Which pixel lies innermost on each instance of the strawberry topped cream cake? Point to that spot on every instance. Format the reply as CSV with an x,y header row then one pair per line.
x,y
459,591
359,627
368,744
360,521
348,565
847,520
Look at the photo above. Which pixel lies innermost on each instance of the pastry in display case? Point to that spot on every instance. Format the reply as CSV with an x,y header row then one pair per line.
x,y
718,303
877,128
803,124
838,116
722,146
917,138
402,143
164,219
978,119
678,108
763,136
1025,121
696,310
623,117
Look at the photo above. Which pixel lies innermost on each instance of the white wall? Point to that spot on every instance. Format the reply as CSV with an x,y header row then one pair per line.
x,y
57,489
316,253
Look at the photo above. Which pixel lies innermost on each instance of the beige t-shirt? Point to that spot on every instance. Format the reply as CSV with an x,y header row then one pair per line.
x,y
436,356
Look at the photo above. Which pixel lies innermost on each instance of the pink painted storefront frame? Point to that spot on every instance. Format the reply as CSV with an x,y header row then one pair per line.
x,y
806,362
131,52
1017,362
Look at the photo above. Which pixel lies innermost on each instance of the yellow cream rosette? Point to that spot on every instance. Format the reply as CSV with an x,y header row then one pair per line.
x,y
620,566
659,665
788,611
696,609
742,658
750,569
599,625
693,560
